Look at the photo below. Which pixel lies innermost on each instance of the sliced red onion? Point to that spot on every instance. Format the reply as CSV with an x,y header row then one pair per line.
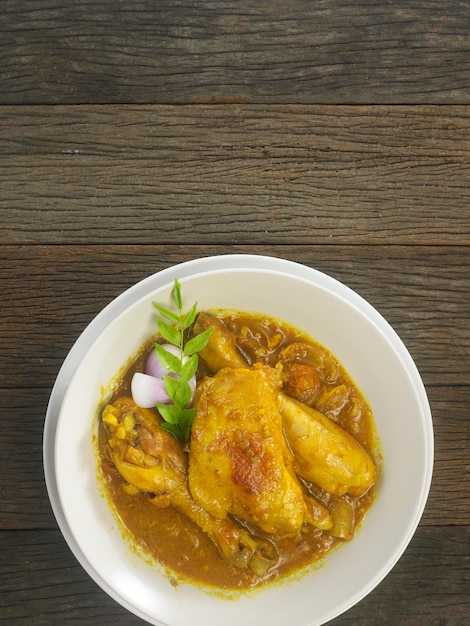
x,y
153,366
147,390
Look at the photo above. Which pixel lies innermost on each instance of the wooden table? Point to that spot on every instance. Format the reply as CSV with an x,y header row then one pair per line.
x,y
136,135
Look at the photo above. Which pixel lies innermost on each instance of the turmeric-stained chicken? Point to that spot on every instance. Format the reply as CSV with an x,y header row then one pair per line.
x,y
239,461
325,453
258,446
153,461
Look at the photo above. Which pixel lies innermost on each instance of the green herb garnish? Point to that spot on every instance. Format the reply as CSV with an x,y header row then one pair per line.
x,y
178,417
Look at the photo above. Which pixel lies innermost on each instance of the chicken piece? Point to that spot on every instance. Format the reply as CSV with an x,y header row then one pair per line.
x,y
145,455
153,461
239,462
221,350
325,453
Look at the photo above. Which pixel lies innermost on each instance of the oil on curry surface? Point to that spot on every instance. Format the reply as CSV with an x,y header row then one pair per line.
x,y
281,465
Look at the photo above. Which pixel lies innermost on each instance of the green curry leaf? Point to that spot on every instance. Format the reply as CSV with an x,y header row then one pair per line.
x,y
170,412
179,416
189,318
189,368
176,295
170,333
198,343
167,359
166,313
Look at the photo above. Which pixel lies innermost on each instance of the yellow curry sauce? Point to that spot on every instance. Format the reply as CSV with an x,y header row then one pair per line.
x,y
177,543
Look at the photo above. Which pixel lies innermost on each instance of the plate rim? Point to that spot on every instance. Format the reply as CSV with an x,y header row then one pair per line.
x,y
160,279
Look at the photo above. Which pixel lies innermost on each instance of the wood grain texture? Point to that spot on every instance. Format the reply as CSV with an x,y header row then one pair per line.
x,y
54,291
134,136
422,291
24,502
50,293
43,585
235,174
61,51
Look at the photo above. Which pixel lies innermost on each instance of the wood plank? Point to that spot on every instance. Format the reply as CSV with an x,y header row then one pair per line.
x,y
51,293
24,501
43,585
235,175
428,586
449,494
264,52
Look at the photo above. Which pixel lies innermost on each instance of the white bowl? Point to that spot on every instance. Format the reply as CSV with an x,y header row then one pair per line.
x,y
332,314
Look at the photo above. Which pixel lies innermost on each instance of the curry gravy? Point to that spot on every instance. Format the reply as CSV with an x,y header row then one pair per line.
x,y
178,544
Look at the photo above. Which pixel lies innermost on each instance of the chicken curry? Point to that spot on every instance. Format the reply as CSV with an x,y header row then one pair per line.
x,y
280,467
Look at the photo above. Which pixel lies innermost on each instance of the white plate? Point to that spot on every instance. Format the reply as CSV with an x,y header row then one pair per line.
x,y
333,314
